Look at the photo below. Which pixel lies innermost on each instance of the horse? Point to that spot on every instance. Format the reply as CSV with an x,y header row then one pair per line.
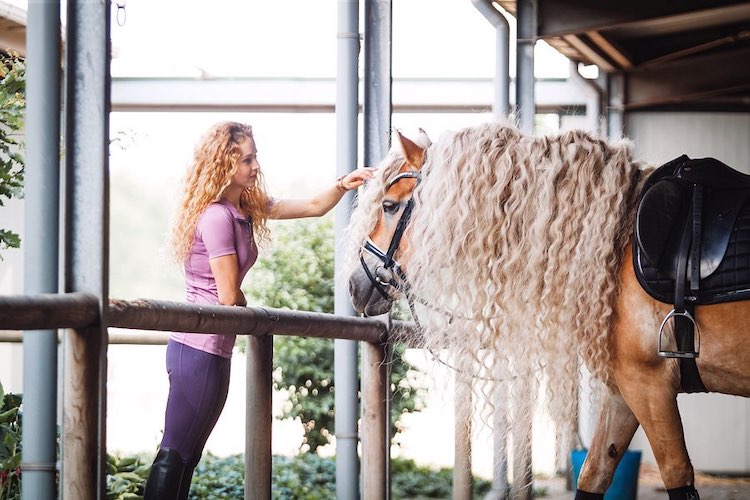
x,y
521,250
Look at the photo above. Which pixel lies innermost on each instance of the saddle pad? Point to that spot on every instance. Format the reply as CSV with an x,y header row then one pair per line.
x,y
730,281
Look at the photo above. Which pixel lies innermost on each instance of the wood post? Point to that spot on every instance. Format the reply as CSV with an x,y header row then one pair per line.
x,y
375,422
258,417
81,423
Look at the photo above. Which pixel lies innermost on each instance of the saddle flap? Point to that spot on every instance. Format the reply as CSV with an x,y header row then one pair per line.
x,y
662,213
720,211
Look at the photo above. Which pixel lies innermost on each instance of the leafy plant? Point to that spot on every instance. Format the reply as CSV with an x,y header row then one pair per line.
x,y
126,477
12,106
297,273
312,477
10,445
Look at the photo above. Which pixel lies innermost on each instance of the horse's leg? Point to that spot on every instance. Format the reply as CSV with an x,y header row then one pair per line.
x,y
613,434
657,411
648,383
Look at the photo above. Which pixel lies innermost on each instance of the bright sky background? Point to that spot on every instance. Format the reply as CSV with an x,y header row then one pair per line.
x,y
431,38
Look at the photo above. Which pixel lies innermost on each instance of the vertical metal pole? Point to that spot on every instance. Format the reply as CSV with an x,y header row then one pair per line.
x,y
377,121
500,110
523,482
87,101
258,417
615,105
378,106
499,442
501,90
526,39
346,376
375,420
41,247
462,447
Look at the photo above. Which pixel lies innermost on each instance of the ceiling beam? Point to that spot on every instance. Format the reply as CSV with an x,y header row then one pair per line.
x,y
698,48
563,17
689,79
592,56
614,53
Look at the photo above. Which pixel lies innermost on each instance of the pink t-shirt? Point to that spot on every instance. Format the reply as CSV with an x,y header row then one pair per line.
x,y
221,230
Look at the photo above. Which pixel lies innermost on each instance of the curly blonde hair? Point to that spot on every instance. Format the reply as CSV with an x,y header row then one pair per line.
x,y
214,163
521,238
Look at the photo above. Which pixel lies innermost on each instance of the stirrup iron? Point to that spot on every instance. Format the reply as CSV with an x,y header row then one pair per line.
x,y
673,314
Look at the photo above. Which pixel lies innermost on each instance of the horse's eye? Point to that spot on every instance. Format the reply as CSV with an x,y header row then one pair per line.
x,y
390,207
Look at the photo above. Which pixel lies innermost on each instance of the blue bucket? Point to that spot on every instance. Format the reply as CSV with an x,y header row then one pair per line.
x,y
625,483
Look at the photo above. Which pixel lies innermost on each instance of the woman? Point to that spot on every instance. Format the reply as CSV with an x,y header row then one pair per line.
x,y
223,209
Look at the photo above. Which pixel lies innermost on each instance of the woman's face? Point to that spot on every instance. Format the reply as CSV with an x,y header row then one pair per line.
x,y
247,165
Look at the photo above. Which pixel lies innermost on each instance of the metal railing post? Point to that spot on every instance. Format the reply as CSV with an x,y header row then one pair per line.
x,y
86,212
258,417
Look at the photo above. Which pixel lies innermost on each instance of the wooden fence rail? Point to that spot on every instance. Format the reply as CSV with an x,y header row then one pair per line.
x,y
80,312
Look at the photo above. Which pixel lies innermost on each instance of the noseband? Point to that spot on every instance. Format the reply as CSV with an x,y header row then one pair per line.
x,y
384,274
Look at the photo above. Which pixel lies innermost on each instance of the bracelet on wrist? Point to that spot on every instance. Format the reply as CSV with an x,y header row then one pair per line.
x,y
340,184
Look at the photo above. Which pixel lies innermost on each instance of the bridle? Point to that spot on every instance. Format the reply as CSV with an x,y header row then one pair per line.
x,y
384,274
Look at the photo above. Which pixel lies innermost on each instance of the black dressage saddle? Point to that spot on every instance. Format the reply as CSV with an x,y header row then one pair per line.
x,y
692,243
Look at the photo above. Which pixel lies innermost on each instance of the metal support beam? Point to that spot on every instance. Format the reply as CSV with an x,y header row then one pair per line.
x,y
41,248
377,121
526,39
346,376
258,417
378,106
87,101
501,90
462,438
615,105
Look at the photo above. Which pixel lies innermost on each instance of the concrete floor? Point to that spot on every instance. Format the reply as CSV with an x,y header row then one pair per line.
x,y
650,487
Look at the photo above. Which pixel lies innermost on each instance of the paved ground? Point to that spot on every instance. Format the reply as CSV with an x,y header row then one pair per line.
x,y
650,487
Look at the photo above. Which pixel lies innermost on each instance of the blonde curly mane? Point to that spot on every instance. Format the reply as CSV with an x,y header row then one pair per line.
x,y
210,173
521,239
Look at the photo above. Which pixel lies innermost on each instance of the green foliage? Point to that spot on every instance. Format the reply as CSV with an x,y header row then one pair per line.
x,y
311,477
297,273
12,106
413,481
126,477
10,445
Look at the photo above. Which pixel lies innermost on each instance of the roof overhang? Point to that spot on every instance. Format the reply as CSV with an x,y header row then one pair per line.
x,y
674,54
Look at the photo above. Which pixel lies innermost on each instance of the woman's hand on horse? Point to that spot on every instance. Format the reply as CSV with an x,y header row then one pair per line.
x,y
355,179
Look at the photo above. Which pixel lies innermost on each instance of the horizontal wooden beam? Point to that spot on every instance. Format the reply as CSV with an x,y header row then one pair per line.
x,y
615,53
564,17
47,311
689,79
76,310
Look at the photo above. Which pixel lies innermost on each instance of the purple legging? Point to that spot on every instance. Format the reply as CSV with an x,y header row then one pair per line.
x,y
198,386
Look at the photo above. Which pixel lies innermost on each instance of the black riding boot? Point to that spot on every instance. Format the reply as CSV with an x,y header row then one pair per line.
x,y
163,482
187,477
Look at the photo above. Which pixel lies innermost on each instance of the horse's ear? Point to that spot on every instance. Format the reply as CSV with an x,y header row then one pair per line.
x,y
413,154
